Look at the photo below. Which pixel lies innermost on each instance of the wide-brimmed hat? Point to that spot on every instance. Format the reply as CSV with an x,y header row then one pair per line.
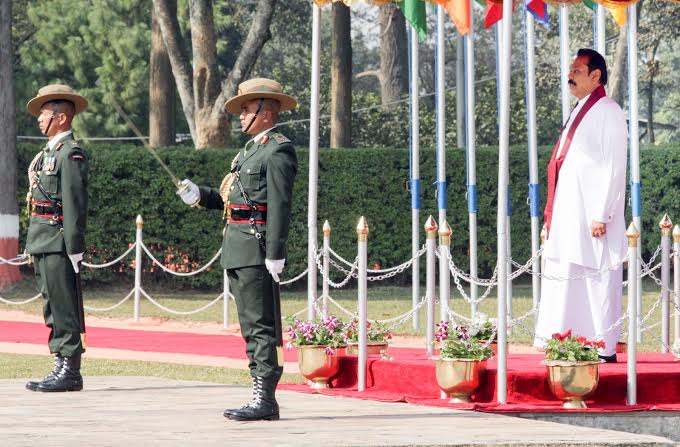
x,y
259,88
52,92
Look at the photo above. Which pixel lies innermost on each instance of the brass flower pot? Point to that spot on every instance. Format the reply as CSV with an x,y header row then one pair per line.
x,y
317,366
572,382
373,348
459,378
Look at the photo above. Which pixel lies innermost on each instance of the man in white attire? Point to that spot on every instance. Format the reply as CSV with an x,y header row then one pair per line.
x,y
584,214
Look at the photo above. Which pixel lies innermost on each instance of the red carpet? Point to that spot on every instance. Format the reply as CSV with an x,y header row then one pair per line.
x,y
410,377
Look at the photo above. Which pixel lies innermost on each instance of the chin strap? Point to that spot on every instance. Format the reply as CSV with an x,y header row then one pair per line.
x,y
257,112
55,112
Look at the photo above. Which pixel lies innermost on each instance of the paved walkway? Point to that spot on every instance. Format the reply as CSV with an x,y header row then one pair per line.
x,y
139,411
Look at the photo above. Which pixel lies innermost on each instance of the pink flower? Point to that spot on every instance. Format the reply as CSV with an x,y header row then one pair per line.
x,y
330,323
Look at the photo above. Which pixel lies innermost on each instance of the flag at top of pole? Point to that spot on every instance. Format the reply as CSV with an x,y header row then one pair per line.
x,y
459,11
414,12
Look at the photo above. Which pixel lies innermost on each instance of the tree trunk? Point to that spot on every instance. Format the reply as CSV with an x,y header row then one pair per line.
x,y
9,213
202,98
181,68
618,70
341,78
393,56
161,90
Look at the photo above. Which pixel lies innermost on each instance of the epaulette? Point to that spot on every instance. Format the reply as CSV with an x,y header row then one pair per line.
x,y
281,139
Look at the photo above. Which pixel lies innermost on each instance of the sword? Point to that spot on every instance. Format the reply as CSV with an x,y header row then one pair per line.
x,y
80,306
276,293
145,142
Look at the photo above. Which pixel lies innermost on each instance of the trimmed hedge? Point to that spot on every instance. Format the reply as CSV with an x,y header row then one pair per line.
x,y
126,181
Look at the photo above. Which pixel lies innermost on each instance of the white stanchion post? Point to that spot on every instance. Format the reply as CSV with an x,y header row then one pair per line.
x,y
139,223
362,242
326,266
600,30
430,278
544,231
444,273
676,279
665,225
313,161
564,60
225,309
632,235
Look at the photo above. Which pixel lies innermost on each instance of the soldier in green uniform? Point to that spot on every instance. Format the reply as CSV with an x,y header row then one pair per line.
x,y
57,203
256,198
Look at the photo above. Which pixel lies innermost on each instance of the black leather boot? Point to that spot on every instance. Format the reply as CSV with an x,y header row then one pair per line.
x,y
58,363
263,407
67,379
229,411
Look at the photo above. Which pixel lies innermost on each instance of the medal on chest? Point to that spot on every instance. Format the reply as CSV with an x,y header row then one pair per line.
x,y
50,164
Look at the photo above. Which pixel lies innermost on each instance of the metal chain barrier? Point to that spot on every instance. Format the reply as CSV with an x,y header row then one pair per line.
x,y
177,312
17,303
105,309
19,260
115,261
167,270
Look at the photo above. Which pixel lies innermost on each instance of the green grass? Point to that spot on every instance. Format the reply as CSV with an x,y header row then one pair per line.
x,y
15,366
383,303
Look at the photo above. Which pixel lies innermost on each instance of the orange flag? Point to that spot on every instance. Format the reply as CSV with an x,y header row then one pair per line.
x,y
459,11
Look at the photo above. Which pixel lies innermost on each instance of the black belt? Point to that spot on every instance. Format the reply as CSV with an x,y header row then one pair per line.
x,y
46,209
246,214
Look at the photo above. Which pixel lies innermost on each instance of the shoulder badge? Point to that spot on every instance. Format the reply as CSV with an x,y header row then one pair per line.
x,y
281,139
76,156
264,139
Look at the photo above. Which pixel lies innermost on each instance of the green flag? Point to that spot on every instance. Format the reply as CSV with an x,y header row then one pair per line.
x,y
590,4
414,11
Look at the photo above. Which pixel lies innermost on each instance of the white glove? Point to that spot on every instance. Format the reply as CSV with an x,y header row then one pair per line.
x,y
75,259
189,192
275,267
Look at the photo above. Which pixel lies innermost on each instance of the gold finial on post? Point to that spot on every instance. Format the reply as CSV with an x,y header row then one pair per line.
x,y
632,234
139,222
362,229
445,233
676,234
665,225
326,229
431,228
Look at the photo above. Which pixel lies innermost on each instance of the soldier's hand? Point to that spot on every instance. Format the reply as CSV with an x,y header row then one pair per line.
x,y
189,192
275,267
75,259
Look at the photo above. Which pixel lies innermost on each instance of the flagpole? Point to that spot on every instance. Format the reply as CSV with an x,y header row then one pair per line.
x,y
441,144
471,158
414,90
633,134
564,60
534,187
600,30
313,162
503,174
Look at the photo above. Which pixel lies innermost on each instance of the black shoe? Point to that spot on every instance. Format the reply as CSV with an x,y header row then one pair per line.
x,y
229,411
58,363
263,407
608,358
68,378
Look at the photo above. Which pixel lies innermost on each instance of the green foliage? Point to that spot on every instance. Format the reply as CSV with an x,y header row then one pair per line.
x,y
376,332
327,331
457,342
125,181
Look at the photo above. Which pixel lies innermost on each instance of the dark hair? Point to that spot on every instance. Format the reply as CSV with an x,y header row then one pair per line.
x,y
595,62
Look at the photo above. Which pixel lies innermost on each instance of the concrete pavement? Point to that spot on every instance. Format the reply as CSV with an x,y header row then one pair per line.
x,y
142,411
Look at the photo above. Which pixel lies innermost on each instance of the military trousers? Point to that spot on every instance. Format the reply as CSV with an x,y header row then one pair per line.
x,y
252,289
57,282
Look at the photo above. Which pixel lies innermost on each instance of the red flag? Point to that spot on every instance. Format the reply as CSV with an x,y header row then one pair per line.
x,y
494,12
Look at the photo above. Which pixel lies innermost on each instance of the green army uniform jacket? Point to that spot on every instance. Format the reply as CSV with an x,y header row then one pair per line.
x,y
267,171
62,174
